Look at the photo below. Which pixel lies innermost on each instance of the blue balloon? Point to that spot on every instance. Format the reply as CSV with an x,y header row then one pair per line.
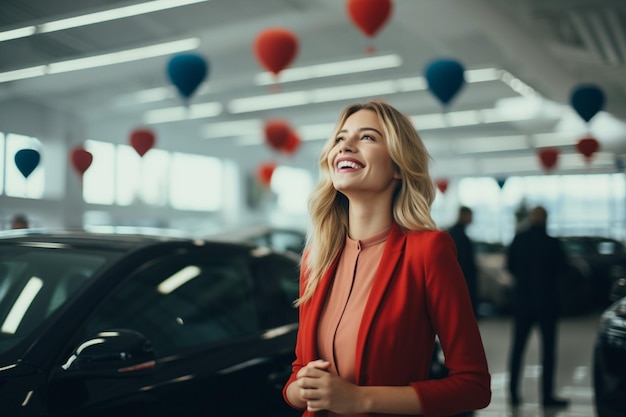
x,y
445,77
26,161
186,72
587,100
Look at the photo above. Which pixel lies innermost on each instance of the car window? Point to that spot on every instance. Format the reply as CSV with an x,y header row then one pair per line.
x,y
183,301
35,282
276,288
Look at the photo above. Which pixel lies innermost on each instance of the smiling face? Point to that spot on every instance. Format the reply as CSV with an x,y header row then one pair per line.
x,y
359,162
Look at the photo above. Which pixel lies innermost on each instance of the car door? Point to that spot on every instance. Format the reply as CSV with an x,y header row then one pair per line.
x,y
198,309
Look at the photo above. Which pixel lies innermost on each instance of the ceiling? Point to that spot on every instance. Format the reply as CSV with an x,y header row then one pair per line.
x,y
535,52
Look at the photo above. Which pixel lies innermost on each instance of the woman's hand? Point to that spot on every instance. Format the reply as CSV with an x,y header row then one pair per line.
x,y
324,391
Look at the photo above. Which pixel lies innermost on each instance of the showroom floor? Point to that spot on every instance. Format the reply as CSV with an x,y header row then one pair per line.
x,y
574,368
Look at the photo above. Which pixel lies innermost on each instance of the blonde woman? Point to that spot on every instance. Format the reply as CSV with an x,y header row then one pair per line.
x,y
379,282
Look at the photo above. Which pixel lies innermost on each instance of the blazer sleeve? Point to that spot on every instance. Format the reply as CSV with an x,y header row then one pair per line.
x,y
297,364
468,384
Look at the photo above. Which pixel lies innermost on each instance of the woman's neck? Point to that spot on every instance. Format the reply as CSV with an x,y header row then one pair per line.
x,y
366,220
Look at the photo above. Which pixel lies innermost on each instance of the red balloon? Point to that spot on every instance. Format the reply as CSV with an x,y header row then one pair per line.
x,y
548,158
264,173
142,140
81,159
369,15
587,147
442,185
291,144
277,133
276,48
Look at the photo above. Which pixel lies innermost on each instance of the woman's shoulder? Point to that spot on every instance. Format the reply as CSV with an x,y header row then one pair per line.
x,y
425,235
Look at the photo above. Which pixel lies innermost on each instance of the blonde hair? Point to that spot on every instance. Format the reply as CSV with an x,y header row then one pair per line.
x,y
328,208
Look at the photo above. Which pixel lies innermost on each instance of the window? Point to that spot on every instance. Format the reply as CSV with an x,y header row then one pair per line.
x,y
195,182
119,175
292,187
99,179
590,204
141,177
15,183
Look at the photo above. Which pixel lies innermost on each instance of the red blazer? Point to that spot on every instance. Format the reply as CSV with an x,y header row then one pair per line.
x,y
418,292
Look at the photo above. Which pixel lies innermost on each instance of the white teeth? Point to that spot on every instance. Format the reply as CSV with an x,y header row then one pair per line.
x,y
348,164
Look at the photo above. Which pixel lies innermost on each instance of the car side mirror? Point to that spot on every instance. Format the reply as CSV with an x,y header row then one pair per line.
x,y
618,290
117,352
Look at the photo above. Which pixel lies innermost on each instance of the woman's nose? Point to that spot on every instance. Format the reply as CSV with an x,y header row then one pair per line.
x,y
347,145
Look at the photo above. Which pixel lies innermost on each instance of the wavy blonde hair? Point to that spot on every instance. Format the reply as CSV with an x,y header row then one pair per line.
x,y
328,208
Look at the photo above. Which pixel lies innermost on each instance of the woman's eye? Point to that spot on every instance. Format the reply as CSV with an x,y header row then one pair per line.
x,y
338,139
368,137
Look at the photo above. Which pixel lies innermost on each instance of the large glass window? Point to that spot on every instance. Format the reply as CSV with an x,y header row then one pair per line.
x,y
99,179
16,185
292,187
591,204
195,182
118,175
143,178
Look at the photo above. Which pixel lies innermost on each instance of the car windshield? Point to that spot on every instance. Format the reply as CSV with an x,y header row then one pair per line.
x,y
35,282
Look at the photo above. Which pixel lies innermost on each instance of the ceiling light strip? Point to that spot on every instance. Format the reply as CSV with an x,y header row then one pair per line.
x,y
129,55
351,66
96,17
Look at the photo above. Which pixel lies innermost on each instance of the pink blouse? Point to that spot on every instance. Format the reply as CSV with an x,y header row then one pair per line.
x,y
341,315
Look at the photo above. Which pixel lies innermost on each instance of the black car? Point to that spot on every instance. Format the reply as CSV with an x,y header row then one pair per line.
x,y
99,325
609,357
495,281
601,259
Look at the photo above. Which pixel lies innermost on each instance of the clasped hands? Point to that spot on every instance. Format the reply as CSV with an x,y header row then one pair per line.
x,y
322,390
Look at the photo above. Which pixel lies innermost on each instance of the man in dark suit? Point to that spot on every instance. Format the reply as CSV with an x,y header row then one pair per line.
x,y
465,253
536,260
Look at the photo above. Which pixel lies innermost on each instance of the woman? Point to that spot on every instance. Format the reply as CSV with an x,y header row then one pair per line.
x,y
379,282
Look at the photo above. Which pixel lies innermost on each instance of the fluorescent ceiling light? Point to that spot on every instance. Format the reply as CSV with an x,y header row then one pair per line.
x,y
490,144
517,85
370,89
23,73
17,33
428,121
266,102
135,54
325,95
547,140
96,17
330,69
411,84
482,74
175,114
124,56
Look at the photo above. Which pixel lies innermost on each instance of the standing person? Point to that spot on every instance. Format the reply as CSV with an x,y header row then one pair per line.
x,y
379,282
535,260
19,221
465,253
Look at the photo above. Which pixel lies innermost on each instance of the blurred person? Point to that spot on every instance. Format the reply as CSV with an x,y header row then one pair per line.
x,y
19,221
535,260
379,282
466,253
